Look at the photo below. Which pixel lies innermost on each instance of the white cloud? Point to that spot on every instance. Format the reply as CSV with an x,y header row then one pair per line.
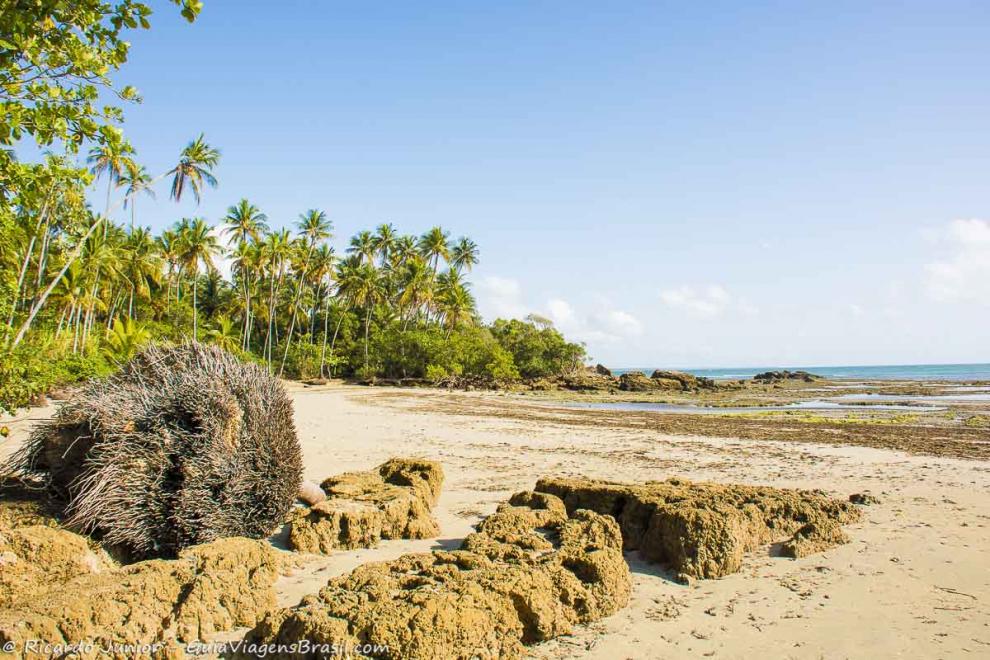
x,y
501,297
603,324
963,272
620,323
561,313
705,302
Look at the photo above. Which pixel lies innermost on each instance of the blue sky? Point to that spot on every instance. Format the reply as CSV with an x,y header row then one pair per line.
x,y
679,184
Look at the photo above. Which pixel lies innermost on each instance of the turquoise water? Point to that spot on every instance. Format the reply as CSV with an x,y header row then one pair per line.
x,y
963,372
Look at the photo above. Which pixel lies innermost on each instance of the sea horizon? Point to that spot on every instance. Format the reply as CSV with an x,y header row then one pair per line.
x,y
948,371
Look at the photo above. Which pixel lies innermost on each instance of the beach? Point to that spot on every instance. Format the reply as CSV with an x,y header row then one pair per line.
x,y
912,581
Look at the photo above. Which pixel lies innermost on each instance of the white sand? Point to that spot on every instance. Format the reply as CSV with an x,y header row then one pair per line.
x,y
914,582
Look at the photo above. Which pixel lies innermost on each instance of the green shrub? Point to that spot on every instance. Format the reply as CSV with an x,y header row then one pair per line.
x,y
537,348
42,364
302,361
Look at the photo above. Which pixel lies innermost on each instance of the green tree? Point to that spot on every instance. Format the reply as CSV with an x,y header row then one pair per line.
x,y
195,169
198,245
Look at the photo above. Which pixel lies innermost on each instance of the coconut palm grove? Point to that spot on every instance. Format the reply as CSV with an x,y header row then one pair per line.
x,y
83,285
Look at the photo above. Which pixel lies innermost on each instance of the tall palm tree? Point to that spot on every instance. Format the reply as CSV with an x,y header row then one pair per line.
x,y
321,267
405,249
168,248
464,254
313,227
245,222
247,260
365,289
113,159
456,306
384,241
195,168
363,245
434,247
135,180
142,265
276,250
199,245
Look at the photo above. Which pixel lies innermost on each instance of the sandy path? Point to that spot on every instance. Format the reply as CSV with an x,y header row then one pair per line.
x,y
914,582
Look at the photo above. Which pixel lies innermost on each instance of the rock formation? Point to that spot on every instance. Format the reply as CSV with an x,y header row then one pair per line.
x,y
393,501
530,573
702,530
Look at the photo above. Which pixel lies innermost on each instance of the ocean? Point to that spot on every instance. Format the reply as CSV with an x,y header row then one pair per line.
x,y
961,372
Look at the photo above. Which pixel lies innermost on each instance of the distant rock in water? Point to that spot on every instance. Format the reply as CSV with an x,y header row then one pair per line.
x,y
774,376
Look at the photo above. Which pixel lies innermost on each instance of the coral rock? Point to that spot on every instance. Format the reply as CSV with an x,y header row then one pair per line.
x,y
529,573
210,588
394,501
703,530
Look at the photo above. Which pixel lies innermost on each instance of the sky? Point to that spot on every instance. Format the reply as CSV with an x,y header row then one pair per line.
x,y
675,184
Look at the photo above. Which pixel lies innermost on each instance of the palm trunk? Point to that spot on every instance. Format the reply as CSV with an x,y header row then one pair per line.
x,y
295,304
195,310
323,351
333,342
20,282
367,327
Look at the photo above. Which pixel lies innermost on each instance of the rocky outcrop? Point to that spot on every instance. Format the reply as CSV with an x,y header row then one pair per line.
x,y
587,381
34,558
702,530
530,573
681,380
636,381
602,370
775,376
209,588
394,501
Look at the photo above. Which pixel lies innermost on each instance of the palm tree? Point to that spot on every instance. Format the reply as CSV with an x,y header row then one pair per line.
x,y
404,250
198,245
135,180
433,246
456,307
384,241
464,254
246,262
363,245
246,222
113,159
195,168
276,250
223,334
313,227
168,247
416,287
142,265
125,339
365,289
321,268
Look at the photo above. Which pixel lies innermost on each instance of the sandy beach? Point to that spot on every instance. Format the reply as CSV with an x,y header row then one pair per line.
x,y
913,581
